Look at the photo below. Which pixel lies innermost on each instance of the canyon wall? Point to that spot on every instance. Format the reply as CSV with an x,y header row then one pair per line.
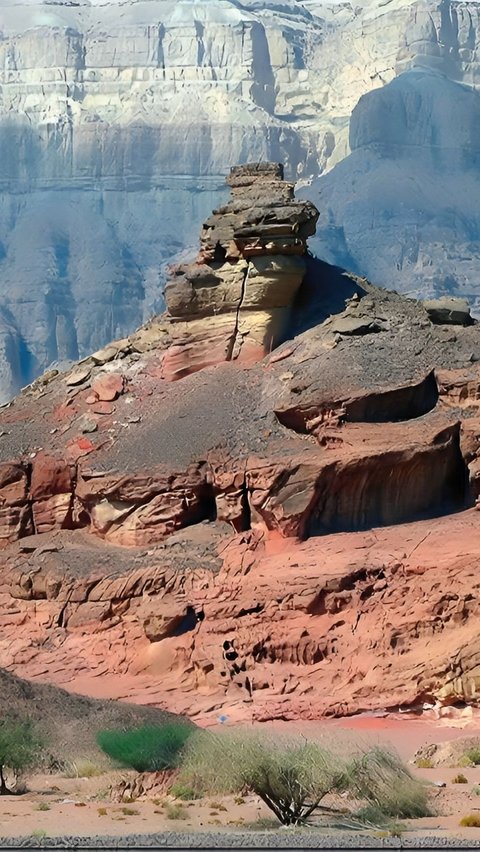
x,y
119,121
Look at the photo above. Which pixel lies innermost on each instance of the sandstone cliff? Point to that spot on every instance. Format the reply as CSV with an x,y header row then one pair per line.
x,y
118,121
290,533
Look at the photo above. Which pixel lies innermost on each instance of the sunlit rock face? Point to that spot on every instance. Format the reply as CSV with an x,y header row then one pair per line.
x,y
118,122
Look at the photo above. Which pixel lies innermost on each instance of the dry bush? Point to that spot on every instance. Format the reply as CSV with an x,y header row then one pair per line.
x,y
292,776
470,821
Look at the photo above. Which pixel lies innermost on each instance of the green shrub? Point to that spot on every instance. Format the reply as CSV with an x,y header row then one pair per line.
x,y
148,748
470,821
183,791
473,755
460,779
43,806
20,747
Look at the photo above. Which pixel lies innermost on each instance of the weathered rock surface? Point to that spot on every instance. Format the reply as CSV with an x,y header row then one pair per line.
x,y
119,120
269,537
235,302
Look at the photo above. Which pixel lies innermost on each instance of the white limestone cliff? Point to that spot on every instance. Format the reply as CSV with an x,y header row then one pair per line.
x,y
120,118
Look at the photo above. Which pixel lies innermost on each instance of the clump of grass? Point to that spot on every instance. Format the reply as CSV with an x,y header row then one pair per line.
x,y
396,829
175,812
476,790
239,800
159,803
460,779
470,821
183,791
102,811
43,806
424,763
130,811
82,769
217,806
39,833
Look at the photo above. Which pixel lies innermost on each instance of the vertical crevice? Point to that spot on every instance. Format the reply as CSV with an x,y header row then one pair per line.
x,y
246,510
231,345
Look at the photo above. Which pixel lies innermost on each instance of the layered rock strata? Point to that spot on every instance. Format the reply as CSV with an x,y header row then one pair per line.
x,y
271,537
234,302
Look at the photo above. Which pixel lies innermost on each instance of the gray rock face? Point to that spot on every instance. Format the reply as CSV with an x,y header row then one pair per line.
x,y
404,207
119,120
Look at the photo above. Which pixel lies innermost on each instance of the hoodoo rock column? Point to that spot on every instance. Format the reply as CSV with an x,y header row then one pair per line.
x,y
234,302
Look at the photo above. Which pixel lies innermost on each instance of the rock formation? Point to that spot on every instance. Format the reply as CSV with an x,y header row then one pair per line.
x,y
273,535
119,120
235,301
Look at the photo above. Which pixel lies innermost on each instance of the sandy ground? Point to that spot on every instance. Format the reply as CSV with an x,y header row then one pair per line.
x,y
55,805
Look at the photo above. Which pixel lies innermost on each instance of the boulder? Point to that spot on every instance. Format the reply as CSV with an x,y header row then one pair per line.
x,y
448,311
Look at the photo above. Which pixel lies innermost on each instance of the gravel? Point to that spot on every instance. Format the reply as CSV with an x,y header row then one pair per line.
x,y
283,839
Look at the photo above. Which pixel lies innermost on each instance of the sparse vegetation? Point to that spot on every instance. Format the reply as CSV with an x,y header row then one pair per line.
x,y
396,829
260,824
147,748
424,763
218,806
43,806
470,821
82,769
293,776
175,812
39,833
183,791
102,811
380,777
460,779
20,748
129,811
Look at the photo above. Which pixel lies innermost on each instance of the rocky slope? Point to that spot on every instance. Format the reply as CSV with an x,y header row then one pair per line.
x,y
69,723
290,533
118,121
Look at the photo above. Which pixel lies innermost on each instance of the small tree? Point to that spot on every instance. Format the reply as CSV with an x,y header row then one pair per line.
x,y
290,776
147,748
19,748
293,776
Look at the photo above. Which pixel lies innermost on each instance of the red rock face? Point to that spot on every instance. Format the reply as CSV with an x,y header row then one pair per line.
x,y
295,536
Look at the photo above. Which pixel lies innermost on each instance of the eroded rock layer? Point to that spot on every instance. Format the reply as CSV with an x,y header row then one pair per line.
x,y
289,534
234,302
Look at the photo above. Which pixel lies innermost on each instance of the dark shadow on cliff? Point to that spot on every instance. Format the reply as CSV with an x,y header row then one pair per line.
x,y
323,292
